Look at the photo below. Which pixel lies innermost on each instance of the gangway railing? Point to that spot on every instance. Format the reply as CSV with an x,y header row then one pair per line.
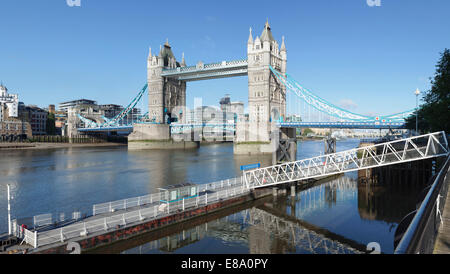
x,y
420,236
389,153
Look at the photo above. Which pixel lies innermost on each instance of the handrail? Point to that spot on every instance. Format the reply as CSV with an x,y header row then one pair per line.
x,y
414,235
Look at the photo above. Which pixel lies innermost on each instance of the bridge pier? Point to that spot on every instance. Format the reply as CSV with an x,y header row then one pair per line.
x,y
156,136
285,143
292,190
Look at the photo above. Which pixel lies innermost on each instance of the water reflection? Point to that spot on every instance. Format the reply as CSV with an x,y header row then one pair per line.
x,y
73,179
255,229
342,210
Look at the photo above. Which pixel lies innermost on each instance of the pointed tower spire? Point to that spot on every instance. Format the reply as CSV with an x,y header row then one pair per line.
x,y
267,33
160,51
183,62
150,53
283,46
250,37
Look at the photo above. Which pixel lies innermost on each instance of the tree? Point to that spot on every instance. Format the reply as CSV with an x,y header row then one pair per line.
x,y
50,126
434,114
307,131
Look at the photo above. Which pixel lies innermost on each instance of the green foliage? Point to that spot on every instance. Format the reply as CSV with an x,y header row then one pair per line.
x,y
50,124
307,131
434,114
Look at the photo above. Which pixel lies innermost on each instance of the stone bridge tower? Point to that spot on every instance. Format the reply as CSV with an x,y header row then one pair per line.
x,y
166,97
266,96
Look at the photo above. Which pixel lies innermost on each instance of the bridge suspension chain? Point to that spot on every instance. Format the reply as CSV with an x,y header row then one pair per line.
x,y
330,109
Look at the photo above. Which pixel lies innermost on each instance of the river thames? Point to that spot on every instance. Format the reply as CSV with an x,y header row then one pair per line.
x,y
340,211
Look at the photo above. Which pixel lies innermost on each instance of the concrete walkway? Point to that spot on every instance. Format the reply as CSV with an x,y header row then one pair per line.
x,y
442,245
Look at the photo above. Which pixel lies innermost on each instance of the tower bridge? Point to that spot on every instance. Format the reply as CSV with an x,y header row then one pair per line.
x,y
271,94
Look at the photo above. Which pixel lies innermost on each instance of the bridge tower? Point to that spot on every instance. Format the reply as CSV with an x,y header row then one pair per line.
x,y
165,95
166,103
266,96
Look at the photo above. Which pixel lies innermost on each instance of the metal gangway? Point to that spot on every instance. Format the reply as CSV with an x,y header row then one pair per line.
x,y
395,152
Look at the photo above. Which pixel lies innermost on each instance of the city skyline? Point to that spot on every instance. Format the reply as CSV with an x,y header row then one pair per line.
x,y
67,53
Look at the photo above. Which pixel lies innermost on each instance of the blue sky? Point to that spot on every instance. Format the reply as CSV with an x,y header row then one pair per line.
x,y
370,59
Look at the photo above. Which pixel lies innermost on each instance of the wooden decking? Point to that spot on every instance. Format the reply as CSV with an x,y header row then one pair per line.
x,y
442,245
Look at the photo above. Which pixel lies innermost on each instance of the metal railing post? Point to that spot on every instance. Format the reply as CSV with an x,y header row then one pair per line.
x,y
35,239
206,198
62,235
183,204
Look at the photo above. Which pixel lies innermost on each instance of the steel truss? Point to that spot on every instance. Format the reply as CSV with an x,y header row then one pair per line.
x,y
208,71
115,121
394,152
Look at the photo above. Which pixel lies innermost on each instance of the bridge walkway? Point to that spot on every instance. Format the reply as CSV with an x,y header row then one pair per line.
x,y
389,153
442,245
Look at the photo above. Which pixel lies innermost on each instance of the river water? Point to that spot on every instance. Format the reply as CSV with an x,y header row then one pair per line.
x,y
340,213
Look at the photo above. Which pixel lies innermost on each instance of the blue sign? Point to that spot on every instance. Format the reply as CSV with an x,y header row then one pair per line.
x,y
252,166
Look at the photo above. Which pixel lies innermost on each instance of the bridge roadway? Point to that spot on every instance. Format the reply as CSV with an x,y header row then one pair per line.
x,y
177,128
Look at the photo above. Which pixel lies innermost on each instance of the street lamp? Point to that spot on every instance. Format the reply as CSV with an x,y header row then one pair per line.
x,y
417,92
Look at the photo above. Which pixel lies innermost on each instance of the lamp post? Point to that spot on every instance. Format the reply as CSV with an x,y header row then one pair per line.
x,y
417,92
9,210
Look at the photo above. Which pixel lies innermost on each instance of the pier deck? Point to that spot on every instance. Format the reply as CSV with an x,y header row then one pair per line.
x,y
122,223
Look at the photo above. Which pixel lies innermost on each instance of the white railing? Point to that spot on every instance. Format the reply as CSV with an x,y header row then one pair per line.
x,y
155,197
125,203
30,237
227,189
43,219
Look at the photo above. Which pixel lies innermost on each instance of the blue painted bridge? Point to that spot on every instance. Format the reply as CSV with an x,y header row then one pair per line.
x,y
179,128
